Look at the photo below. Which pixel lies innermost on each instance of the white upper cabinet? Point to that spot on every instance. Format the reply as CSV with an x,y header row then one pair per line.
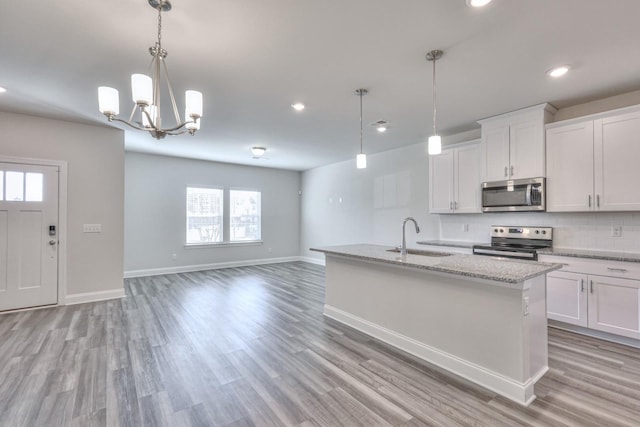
x,y
593,163
513,144
454,180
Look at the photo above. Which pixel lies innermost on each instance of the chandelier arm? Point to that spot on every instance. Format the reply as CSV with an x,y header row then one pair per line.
x,y
173,98
133,111
115,119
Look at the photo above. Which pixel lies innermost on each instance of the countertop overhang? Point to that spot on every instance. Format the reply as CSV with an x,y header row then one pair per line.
x,y
505,271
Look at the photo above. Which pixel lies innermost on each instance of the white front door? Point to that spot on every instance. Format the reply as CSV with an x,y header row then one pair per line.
x,y
28,235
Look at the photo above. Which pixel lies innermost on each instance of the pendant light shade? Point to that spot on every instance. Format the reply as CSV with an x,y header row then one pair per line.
x,y
361,159
434,146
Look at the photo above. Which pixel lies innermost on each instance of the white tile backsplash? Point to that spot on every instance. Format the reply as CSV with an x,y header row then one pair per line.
x,y
585,230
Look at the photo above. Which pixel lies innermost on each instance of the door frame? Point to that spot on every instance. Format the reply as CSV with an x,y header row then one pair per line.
x,y
62,214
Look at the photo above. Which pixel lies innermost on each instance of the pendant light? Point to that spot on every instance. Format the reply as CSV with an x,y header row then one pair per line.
x,y
435,142
361,159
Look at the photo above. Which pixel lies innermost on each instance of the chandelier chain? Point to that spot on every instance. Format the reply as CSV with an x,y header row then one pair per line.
x,y
160,27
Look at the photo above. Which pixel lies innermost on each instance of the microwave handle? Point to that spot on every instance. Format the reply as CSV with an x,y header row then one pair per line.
x,y
528,195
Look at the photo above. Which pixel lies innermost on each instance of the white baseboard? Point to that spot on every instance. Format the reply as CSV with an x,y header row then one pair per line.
x,y
310,260
202,267
521,393
619,339
93,296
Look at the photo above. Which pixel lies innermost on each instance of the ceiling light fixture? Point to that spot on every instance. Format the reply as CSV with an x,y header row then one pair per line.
x,y
558,71
298,106
361,159
2,90
145,92
478,3
435,142
258,151
381,129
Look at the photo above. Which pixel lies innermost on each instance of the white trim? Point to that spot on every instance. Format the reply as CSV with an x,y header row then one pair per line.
x,y
62,214
223,244
94,296
202,267
310,260
619,339
521,393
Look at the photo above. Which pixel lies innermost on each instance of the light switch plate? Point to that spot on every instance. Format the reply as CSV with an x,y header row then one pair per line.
x,y
92,228
616,231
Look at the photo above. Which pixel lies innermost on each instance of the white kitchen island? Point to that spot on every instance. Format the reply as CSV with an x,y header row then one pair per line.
x,y
479,317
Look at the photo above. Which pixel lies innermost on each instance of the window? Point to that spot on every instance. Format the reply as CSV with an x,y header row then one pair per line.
x,y
244,215
204,215
21,186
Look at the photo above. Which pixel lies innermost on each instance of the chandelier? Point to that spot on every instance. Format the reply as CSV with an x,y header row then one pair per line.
x,y
145,92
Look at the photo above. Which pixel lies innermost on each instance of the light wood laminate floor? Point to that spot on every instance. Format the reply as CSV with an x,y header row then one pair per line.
x,y
250,346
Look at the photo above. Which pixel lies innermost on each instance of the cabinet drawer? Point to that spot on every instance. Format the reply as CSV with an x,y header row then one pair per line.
x,y
619,269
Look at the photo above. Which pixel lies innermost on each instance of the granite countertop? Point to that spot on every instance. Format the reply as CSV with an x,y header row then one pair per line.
x,y
505,272
593,254
451,243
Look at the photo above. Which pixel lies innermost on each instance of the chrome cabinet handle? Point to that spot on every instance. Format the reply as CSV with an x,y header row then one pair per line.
x,y
455,205
511,170
450,206
598,200
592,286
506,171
621,270
581,285
589,200
52,242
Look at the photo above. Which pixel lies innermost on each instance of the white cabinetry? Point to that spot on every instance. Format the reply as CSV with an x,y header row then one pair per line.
x,y
593,163
454,180
600,295
513,144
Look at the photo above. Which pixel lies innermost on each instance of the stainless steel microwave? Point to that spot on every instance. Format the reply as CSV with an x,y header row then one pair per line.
x,y
515,195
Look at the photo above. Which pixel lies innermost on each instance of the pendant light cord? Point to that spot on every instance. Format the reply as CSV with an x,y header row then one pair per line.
x,y
434,96
361,93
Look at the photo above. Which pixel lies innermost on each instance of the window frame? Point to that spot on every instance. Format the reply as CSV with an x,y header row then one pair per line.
x,y
226,218
186,218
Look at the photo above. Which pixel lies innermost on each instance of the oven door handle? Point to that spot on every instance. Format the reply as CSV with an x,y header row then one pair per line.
x,y
506,253
528,195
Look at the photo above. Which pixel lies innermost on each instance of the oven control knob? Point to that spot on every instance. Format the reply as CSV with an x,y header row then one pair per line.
x,y
502,230
495,229
544,231
537,231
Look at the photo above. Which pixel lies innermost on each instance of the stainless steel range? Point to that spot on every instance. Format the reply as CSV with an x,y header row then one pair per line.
x,y
516,242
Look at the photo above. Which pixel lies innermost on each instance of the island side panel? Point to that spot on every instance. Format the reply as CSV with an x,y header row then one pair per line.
x,y
535,324
470,320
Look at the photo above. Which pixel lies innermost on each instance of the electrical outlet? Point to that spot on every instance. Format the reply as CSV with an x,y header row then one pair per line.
x,y
525,306
174,256
616,231
465,228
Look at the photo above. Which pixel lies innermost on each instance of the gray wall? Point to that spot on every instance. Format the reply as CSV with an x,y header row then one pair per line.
x,y
342,204
155,216
95,157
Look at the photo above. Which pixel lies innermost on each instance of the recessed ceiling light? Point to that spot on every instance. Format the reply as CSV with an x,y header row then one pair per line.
x,y
558,71
2,90
298,106
381,129
478,3
258,151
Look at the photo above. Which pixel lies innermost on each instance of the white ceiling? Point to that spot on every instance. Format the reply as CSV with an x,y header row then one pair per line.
x,y
253,58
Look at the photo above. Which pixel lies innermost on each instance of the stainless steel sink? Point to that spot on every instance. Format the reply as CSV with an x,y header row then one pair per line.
x,y
420,252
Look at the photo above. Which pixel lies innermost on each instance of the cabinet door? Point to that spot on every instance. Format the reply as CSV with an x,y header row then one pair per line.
x,y
441,182
526,149
570,168
495,152
614,305
466,165
567,297
617,162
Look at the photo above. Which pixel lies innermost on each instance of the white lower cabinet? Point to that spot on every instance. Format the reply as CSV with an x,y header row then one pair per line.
x,y
566,297
605,303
